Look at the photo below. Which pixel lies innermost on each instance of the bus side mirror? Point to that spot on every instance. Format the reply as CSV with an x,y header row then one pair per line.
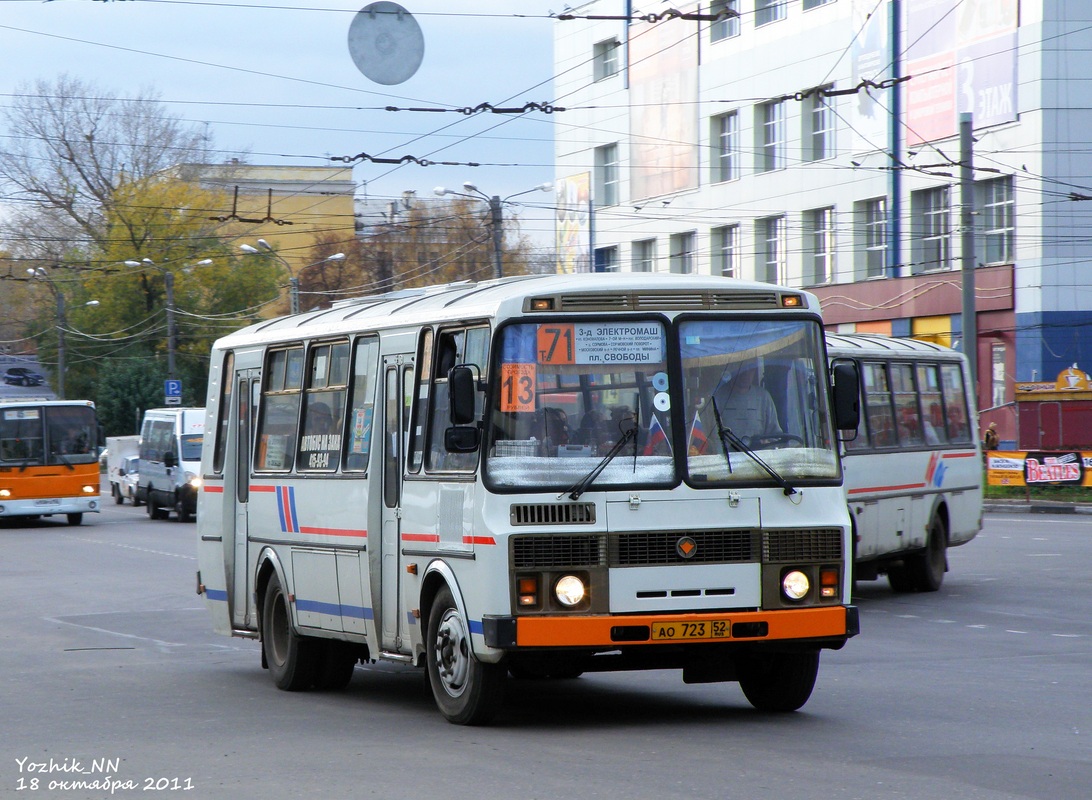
x,y
168,459
463,439
847,395
461,383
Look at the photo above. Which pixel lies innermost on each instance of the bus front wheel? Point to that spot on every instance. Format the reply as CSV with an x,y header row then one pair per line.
x,y
779,682
467,691
291,658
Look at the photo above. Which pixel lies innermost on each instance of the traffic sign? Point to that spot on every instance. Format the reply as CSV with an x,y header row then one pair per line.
x,y
172,388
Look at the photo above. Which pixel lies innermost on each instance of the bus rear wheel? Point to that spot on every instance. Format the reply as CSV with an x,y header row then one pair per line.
x,y
467,691
924,571
778,682
292,659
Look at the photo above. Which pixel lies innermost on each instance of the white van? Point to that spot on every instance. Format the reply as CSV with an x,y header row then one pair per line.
x,y
170,461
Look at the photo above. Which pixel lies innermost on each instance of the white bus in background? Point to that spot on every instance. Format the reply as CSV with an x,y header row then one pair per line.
x,y
913,474
530,477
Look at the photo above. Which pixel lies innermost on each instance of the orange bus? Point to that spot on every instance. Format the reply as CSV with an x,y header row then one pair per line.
x,y
48,459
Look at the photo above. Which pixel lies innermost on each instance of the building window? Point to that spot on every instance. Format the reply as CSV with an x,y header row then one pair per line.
x,y
606,259
873,226
997,374
997,212
725,251
819,244
605,59
771,134
770,233
931,211
606,175
724,28
725,136
810,4
820,121
644,255
767,11
683,255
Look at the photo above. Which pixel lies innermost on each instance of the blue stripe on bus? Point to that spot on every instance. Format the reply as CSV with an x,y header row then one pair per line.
x,y
334,609
216,594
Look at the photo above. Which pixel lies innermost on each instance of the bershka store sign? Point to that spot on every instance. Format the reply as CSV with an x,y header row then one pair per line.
x,y
1032,468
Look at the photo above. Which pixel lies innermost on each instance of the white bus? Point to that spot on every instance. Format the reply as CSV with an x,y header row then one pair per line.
x,y
534,477
913,474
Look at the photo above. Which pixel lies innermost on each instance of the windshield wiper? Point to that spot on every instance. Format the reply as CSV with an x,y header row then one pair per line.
x,y
727,437
581,486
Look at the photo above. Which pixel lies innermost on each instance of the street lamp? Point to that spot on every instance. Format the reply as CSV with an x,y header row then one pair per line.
x,y
168,287
39,273
496,214
265,247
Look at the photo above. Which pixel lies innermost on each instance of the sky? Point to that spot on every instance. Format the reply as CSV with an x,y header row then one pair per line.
x,y
274,82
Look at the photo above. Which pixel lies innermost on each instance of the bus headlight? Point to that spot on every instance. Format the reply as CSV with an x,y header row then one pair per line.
x,y
570,591
5,493
193,480
90,489
795,585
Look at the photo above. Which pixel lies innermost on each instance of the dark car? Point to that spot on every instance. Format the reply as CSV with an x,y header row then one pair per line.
x,y
21,376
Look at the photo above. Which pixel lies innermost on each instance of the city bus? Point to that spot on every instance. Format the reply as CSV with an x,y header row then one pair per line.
x,y
49,460
913,473
531,478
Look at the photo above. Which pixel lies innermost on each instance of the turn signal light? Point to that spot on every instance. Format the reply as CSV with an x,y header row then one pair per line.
x,y
527,591
828,582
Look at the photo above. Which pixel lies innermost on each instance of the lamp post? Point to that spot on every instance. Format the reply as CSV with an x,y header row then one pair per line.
x,y
496,214
265,247
168,288
39,273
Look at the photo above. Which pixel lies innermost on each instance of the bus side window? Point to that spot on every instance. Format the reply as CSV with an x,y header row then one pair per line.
x,y
462,346
878,405
906,404
283,374
365,370
955,403
931,404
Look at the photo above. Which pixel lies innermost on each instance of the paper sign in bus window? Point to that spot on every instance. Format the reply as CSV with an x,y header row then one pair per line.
x,y
601,343
517,387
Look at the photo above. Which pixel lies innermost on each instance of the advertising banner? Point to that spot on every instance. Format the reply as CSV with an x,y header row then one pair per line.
x,y
1033,468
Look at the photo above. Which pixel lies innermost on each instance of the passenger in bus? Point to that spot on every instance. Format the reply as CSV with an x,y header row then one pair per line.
x,y
745,406
555,429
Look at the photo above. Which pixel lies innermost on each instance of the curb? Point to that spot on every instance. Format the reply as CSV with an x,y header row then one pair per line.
x,y
1036,507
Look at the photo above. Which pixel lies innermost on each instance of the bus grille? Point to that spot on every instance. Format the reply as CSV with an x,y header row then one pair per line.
x,y
646,549
662,547
552,514
802,545
558,551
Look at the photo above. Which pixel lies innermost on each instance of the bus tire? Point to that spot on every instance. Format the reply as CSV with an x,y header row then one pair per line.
x,y
467,691
75,519
181,511
291,658
924,571
778,682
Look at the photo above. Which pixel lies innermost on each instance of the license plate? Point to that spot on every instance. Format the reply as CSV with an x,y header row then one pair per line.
x,y
706,629
47,502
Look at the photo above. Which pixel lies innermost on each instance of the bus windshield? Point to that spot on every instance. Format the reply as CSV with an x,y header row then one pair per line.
x,y
568,392
750,406
46,435
753,395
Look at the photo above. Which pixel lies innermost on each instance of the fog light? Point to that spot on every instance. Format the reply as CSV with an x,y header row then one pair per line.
x,y
527,591
570,591
795,585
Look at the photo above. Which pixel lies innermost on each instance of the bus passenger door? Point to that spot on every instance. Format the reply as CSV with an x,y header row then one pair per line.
x,y
398,394
247,387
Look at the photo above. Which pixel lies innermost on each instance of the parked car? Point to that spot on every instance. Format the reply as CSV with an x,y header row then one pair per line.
x,y
21,376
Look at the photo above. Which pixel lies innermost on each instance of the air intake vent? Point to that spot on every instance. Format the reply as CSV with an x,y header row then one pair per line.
x,y
806,545
558,551
668,301
656,548
553,514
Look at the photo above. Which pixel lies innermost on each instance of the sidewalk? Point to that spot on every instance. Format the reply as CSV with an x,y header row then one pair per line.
x,y
1035,507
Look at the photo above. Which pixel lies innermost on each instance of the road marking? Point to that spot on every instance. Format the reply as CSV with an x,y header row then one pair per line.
x,y
133,547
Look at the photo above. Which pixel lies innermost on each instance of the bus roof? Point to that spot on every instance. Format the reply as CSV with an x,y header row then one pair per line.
x,y
585,292
874,343
42,401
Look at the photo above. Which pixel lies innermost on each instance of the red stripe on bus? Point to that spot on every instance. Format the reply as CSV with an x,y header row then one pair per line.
x,y
959,455
420,537
213,489
886,488
261,487
333,531
489,540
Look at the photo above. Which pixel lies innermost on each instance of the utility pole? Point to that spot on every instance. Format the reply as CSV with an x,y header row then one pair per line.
x,y
168,283
498,236
967,259
61,324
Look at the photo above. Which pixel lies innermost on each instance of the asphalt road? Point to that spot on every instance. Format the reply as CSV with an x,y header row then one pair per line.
x,y
110,670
